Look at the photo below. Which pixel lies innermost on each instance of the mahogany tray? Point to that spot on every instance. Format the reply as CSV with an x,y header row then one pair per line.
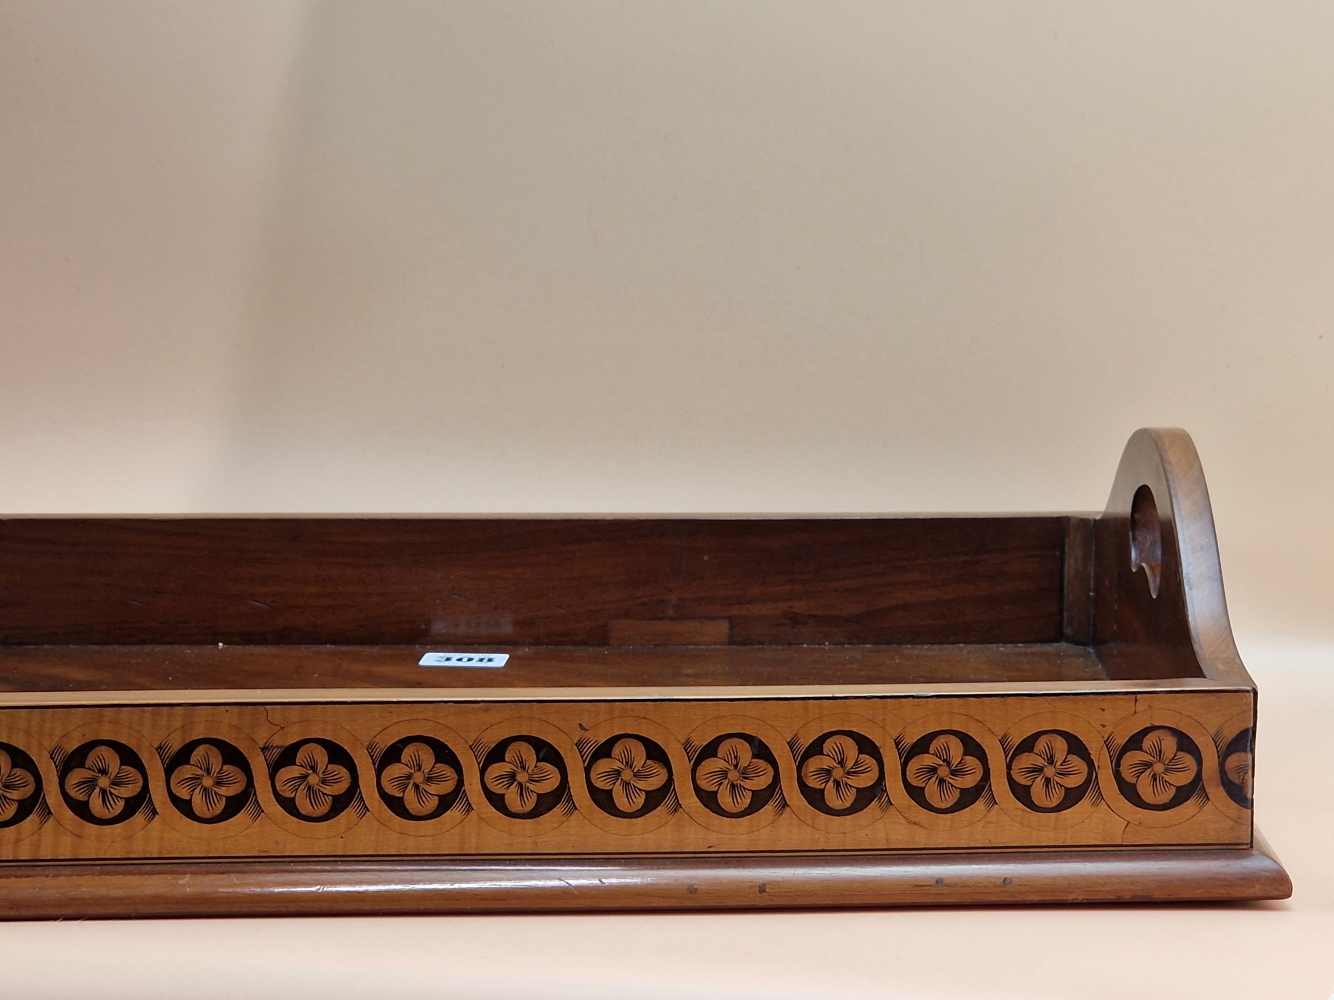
x,y
228,715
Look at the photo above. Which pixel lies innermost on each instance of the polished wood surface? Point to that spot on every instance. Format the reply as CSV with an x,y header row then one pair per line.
x,y
525,581
1078,583
685,884
149,668
1177,625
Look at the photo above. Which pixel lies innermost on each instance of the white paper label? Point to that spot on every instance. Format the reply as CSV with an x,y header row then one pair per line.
x,y
464,660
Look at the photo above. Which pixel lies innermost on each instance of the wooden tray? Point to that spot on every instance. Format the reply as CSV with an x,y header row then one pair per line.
x,y
227,716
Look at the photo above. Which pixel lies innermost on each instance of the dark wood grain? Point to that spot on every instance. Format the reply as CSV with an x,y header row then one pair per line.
x,y
159,668
479,886
1182,629
1077,605
670,632
528,581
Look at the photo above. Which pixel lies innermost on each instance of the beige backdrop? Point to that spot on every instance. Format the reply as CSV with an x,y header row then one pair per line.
x,y
688,256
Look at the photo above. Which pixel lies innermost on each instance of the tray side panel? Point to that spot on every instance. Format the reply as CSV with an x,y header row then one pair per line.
x,y
624,777
531,581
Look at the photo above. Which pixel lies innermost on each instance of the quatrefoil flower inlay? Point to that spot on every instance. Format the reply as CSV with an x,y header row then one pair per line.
x,y
943,771
1159,769
1049,771
104,783
419,779
312,782
628,774
839,771
734,775
520,777
207,782
17,785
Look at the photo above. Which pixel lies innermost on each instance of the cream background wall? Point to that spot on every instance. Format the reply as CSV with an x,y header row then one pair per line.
x,y
598,256
631,256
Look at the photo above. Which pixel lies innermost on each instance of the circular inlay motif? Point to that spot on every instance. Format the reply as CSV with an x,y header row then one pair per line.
x,y
1051,771
736,774
102,782
419,778
1158,768
1238,763
629,776
209,780
20,785
314,780
840,773
945,771
524,777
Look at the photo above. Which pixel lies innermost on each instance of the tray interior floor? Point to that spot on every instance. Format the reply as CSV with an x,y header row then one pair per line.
x,y
156,668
